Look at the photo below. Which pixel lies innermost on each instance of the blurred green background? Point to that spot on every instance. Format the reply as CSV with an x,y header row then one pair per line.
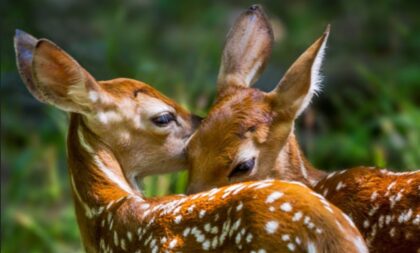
x,y
368,112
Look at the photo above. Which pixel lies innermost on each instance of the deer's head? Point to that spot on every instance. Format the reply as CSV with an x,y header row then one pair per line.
x,y
146,130
246,129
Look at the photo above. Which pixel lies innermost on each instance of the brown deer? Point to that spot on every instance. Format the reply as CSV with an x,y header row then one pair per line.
x,y
248,135
121,128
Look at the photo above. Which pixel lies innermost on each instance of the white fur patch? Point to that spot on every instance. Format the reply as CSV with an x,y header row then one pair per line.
x,y
93,96
250,76
286,207
316,77
83,142
273,197
111,175
311,247
271,227
109,117
76,192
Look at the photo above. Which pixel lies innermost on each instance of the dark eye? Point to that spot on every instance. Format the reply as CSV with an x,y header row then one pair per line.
x,y
243,168
163,119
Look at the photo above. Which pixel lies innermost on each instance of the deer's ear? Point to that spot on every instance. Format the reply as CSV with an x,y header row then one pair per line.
x,y
24,47
247,49
302,80
53,76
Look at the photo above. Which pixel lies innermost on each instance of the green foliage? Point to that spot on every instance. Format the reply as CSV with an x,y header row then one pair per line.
x,y
367,114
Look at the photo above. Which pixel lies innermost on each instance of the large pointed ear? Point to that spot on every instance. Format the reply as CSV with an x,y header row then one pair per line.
x,y
247,49
24,47
52,76
302,79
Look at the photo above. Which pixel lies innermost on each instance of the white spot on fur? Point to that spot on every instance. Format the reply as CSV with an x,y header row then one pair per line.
x,y
373,196
339,186
291,246
416,221
273,197
93,96
178,219
191,208
239,207
122,243
109,117
392,232
186,232
206,245
366,224
286,207
271,227
116,242
202,213
144,206
405,216
173,243
285,237
311,247
331,175
249,238
238,238
297,216
373,210
391,185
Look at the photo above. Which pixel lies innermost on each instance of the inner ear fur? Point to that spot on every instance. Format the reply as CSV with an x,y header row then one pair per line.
x,y
52,75
302,80
247,49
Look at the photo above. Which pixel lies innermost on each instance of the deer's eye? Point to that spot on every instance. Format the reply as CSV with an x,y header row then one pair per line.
x,y
163,119
243,168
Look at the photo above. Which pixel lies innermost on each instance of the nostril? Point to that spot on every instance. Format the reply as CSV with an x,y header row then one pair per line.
x,y
254,7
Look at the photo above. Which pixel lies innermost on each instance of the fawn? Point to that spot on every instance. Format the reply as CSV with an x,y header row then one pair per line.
x,y
122,128
248,135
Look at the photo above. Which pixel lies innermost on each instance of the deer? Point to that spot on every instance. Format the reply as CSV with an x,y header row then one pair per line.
x,y
121,129
249,135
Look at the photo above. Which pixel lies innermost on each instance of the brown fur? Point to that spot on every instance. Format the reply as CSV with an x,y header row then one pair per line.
x,y
128,216
384,205
114,217
393,227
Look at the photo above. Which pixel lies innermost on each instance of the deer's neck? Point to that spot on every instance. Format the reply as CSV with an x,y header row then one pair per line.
x,y
95,174
291,164
96,177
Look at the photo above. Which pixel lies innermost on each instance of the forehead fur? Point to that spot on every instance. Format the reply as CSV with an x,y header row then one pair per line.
x,y
122,88
237,111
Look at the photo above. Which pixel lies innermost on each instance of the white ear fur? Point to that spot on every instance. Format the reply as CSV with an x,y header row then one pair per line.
x,y
316,77
302,80
247,49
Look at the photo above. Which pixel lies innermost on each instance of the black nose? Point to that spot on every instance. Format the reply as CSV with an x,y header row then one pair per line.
x,y
196,120
254,8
